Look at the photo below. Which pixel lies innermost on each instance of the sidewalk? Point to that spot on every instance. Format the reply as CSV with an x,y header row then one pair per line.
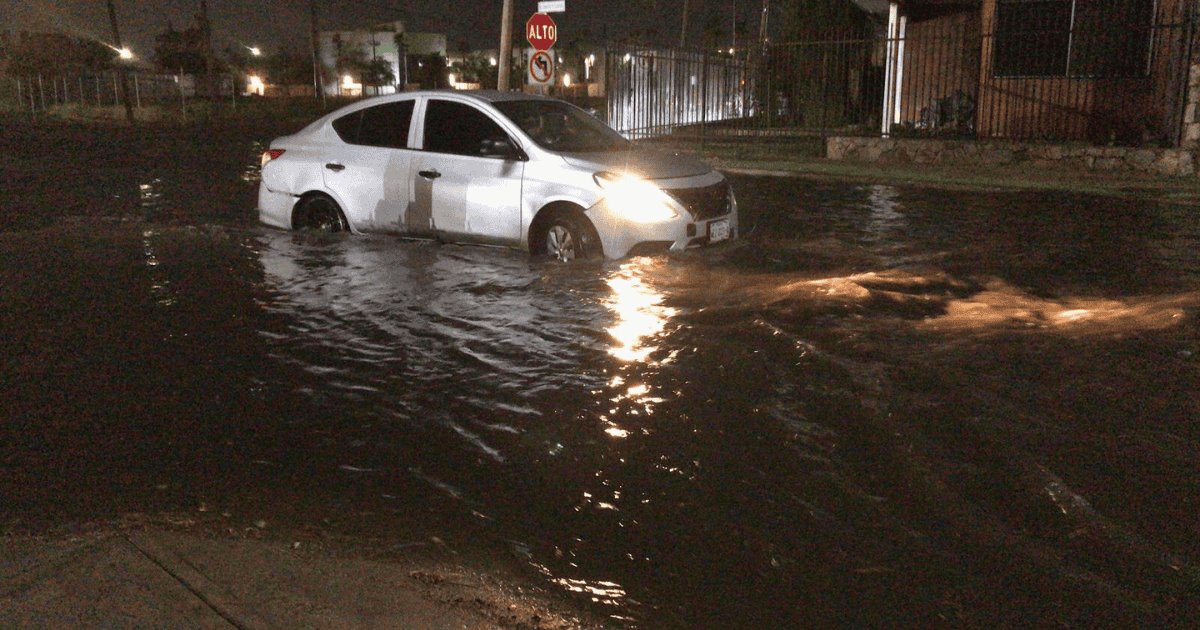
x,y
799,159
153,578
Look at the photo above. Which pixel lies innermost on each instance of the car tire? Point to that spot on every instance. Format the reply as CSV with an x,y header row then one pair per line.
x,y
567,237
319,213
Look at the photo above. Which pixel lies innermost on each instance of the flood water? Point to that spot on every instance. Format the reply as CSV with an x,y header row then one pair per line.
x,y
885,406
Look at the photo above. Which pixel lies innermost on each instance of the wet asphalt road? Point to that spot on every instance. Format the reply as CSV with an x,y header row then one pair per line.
x,y
885,406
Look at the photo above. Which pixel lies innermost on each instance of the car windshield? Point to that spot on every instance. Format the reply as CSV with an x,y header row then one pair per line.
x,y
562,127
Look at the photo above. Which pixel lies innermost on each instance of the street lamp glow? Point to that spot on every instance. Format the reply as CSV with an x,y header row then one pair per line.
x,y
492,60
566,80
254,50
125,53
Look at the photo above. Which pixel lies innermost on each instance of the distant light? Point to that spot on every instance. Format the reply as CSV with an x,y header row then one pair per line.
x,y
451,78
566,80
255,50
125,53
255,85
731,51
492,61
592,58
347,80
628,57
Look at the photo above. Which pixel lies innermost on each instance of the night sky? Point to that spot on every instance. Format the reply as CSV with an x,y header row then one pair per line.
x,y
272,24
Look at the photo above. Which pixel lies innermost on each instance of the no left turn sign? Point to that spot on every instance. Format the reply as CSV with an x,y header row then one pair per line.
x,y
541,68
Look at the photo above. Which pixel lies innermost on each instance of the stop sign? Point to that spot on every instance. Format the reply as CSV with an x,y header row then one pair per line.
x,y
541,31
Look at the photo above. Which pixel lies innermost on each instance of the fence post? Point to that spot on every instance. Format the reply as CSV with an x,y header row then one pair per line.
x,y
42,91
137,91
182,96
97,78
703,99
116,98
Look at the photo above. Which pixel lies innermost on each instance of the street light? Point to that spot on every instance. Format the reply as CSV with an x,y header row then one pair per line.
x,y
124,53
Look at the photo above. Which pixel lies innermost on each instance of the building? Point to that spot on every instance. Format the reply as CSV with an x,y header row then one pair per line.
x,y
1105,72
345,55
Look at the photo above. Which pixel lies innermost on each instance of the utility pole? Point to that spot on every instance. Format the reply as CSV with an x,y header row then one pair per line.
x,y
210,66
733,26
122,70
762,26
683,27
318,79
506,18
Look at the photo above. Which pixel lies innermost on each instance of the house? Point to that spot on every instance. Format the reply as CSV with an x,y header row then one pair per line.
x,y
1105,71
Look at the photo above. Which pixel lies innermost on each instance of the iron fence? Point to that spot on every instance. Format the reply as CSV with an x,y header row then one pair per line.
x,y
654,92
38,93
1112,72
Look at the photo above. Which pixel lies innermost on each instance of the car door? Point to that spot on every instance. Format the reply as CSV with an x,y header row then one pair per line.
x,y
468,174
369,174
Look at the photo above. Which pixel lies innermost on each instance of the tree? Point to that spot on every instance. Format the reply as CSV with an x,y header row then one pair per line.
x,y
176,51
816,85
51,53
377,72
289,68
820,19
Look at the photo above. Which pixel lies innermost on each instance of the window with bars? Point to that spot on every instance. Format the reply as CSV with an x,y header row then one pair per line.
x,y
1072,38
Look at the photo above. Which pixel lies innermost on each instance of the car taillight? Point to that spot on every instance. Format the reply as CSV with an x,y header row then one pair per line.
x,y
270,154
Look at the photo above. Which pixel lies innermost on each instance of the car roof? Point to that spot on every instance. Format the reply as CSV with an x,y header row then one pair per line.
x,y
322,124
491,96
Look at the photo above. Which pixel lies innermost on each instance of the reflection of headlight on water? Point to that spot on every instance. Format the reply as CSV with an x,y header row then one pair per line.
x,y
635,198
639,314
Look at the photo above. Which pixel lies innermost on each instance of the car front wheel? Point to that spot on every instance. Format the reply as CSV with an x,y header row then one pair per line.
x,y
566,238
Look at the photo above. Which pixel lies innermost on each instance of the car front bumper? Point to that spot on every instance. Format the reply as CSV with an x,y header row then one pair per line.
x,y
622,237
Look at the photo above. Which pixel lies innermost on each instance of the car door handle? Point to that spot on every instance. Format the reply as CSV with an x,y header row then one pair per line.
x,y
334,166
429,174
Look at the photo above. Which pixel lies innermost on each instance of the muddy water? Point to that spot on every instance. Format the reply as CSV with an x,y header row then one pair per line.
x,y
885,406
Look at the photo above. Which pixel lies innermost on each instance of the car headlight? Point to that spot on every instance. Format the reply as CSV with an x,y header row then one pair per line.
x,y
635,198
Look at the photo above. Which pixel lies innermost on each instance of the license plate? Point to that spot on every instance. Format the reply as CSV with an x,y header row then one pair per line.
x,y
718,230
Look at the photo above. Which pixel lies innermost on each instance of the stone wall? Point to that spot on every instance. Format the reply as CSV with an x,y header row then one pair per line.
x,y
1170,162
1191,115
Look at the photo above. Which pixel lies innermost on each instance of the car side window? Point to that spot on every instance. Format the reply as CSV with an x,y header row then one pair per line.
x,y
347,126
458,129
384,125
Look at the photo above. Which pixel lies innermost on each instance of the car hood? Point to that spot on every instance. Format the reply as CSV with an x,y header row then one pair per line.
x,y
647,164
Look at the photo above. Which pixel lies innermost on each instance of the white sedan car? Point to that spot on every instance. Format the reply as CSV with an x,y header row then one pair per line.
x,y
499,168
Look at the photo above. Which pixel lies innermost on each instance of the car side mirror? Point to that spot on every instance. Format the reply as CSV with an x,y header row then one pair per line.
x,y
500,148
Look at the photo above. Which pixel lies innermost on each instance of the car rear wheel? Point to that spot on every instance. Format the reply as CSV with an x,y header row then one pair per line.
x,y
320,214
